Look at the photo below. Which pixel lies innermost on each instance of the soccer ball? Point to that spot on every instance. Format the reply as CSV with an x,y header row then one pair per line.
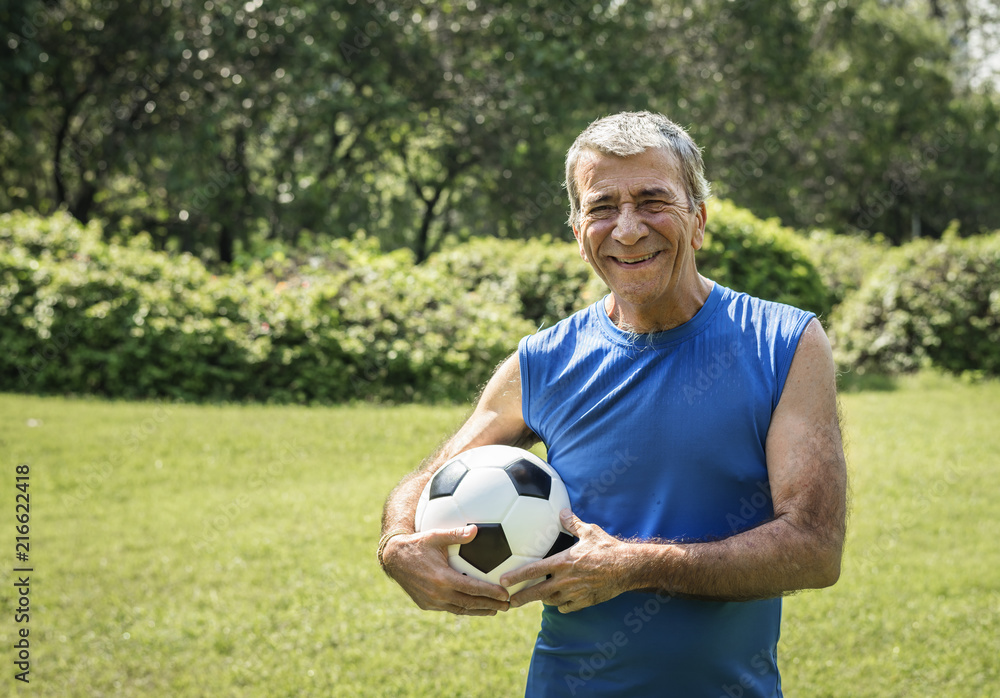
x,y
513,497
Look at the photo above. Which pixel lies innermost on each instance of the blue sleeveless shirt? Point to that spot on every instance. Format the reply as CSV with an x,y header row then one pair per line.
x,y
662,436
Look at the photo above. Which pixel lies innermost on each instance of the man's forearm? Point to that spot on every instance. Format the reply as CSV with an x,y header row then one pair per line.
x,y
496,420
401,504
397,515
773,559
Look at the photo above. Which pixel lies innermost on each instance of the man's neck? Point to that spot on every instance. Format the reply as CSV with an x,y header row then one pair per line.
x,y
661,317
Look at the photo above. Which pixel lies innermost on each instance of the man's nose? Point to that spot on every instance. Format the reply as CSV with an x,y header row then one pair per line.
x,y
629,228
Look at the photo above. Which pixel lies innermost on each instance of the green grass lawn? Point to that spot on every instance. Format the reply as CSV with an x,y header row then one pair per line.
x,y
229,551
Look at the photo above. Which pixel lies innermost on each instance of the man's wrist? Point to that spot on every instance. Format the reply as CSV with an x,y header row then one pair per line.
x,y
651,566
384,540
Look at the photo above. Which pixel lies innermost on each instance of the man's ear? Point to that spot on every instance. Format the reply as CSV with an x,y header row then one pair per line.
x,y
698,236
579,243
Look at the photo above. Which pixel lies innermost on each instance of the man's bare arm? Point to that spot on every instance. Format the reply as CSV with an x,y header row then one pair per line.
x,y
418,561
799,548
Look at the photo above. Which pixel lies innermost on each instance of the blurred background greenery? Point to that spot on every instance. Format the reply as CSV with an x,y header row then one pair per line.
x,y
361,201
316,202
213,124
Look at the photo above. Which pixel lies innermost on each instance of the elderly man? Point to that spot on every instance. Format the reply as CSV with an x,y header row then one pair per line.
x,y
696,430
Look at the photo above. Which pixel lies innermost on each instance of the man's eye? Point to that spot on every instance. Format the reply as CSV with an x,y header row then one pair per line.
x,y
654,205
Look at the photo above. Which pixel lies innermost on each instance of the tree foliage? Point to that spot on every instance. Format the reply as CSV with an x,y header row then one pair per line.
x,y
213,124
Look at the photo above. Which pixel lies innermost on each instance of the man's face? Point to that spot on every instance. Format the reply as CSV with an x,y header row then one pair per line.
x,y
636,226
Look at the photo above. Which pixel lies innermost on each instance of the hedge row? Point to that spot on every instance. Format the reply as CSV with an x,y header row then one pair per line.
x,y
928,304
762,258
81,316
342,320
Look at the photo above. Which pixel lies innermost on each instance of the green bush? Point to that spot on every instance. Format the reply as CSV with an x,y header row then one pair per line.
x,y
761,258
431,338
56,237
844,261
930,303
82,316
121,321
327,322
545,280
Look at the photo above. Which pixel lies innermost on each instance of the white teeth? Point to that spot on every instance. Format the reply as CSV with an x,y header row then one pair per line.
x,y
636,261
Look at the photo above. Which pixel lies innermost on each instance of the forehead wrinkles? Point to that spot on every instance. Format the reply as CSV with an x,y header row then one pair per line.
x,y
600,177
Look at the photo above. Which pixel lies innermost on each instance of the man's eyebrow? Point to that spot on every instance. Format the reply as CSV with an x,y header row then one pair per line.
x,y
649,192
597,198
657,192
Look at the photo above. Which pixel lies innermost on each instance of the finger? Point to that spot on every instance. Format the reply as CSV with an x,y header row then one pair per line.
x,y
571,523
464,605
434,585
469,585
452,594
476,588
452,536
545,591
532,570
461,611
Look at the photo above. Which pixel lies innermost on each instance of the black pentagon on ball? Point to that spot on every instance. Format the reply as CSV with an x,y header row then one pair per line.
x,y
445,480
529,480
563,542
488,549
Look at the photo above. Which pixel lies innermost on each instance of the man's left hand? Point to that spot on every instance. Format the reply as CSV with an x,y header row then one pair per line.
x,y
589,572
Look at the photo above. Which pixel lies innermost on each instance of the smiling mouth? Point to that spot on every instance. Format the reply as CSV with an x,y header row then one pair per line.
x,y
635,260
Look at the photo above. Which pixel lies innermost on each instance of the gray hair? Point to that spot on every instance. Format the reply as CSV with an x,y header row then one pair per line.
x,y
632,133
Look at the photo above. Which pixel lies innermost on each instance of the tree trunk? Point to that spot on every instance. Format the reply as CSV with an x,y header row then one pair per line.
x,y
421,247
81,207
226,244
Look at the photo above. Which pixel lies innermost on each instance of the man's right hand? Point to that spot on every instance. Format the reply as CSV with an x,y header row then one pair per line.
x,y
418,562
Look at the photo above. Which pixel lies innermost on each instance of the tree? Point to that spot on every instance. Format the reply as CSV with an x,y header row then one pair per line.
x,y
215,125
